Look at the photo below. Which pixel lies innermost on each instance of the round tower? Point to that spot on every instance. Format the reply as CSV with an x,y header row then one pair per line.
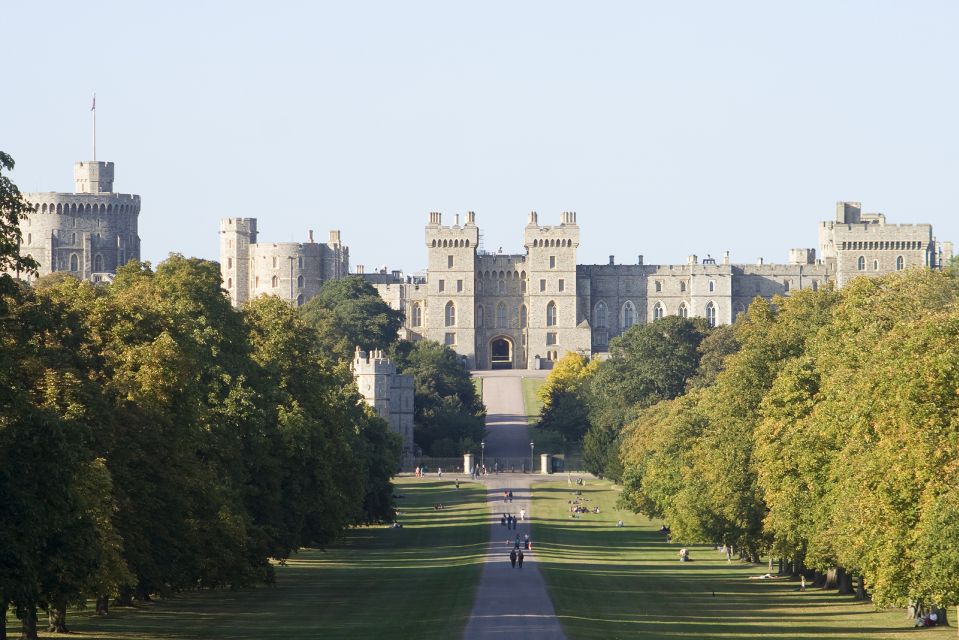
x,y
90,232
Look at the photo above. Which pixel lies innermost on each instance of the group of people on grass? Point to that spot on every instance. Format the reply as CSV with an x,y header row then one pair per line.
x,y
420,472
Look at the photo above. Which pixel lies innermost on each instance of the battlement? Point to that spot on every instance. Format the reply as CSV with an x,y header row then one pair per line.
x,y
565,234
93,177
239,225
466,236
372,363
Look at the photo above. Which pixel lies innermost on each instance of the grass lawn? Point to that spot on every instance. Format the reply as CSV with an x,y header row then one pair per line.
x,y
415,582
478,385
530,400
609,582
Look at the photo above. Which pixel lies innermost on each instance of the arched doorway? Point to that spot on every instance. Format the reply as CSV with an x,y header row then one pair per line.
x,y
501,353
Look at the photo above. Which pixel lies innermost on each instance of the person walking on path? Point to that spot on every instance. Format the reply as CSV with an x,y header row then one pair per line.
x,y
519,558
522,514
512,558
510,495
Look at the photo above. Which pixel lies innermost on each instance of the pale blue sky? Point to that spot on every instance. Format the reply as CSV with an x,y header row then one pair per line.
x,y
670,127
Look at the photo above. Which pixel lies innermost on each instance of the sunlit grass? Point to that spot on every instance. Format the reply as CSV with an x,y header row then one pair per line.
x,y
530,400
415,582
611,582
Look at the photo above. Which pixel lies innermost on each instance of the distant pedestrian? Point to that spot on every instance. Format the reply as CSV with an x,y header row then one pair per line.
x,y
417,472
512,558
505,495
519,559
510,495
802,581
522,514
439,472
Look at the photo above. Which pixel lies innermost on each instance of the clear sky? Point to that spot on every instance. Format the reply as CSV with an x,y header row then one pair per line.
x,y
669,127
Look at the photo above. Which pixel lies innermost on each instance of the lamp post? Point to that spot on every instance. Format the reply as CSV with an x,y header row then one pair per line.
x,y
483,454
531,444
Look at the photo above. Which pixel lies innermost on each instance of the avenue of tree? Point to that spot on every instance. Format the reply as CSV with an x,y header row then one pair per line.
x,y
155,439
821,429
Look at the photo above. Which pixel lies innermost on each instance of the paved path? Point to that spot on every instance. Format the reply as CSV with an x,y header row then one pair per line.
x,y
510,603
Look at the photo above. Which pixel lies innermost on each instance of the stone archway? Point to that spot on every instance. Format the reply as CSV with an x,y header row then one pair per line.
x,y
501,353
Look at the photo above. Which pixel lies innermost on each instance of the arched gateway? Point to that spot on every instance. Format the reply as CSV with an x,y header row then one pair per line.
x,y
501,353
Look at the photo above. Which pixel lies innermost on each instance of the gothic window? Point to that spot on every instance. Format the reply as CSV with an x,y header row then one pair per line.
x,y
299,281
417,314
786,286
659,286
712,286
299,300
861,263
450,314
74,262
683,311
97,263
875,265
629,315
711,314
658,312
899,263
522,316
501,316
600,315
274,282
551,314
815,285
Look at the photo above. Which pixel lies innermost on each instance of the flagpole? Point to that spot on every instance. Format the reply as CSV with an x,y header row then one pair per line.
x,y
94,110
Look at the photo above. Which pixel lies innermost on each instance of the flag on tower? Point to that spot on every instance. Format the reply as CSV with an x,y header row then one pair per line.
x,y
93,107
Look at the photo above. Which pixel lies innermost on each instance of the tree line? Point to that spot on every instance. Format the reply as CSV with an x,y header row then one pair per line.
x,y
155,439
821,428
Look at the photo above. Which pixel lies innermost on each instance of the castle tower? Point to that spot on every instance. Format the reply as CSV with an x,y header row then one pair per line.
x,y
90,232
450,313
388,392
236,236
553,312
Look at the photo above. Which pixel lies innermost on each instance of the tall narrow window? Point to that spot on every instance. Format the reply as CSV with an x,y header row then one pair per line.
x,y
449,262
299,300
861,263
899,263
274,262
441,286
658,312
416,314
501,316
629,315
229,263
875,265
299,262
600,315
682,286
786,286
711,314
658,286
712,286
450,339
459,286
275,282
522,316
562,285
299,281
98,263
74,262
552,262
683,311
551,314
229,283
542,284
450,314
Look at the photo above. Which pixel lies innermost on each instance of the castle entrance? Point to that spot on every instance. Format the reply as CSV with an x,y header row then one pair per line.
x,y
501,353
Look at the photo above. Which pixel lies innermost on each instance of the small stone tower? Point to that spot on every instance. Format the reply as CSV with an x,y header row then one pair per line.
x,y
451,266
388,392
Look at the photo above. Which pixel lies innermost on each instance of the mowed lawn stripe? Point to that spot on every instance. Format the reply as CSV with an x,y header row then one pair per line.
x,y
415,582
611,582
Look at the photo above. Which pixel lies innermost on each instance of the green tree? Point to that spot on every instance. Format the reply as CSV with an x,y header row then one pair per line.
x,y
348,313
564,397
13,209
448,418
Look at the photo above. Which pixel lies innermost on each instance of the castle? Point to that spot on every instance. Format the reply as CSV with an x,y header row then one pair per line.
x,y
89,233
291,270
527,310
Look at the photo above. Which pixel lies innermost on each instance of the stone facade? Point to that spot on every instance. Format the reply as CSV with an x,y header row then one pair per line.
x,y
291,270
526,311
89,233
388,392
